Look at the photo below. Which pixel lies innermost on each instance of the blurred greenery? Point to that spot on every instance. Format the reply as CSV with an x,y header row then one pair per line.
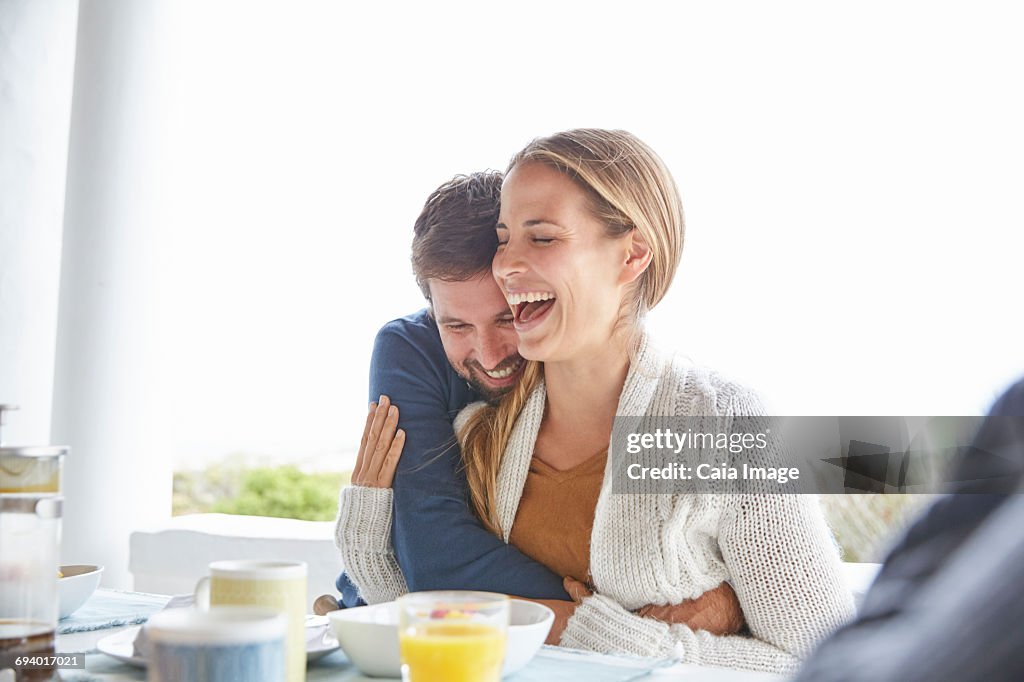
x,y
864,525
230,487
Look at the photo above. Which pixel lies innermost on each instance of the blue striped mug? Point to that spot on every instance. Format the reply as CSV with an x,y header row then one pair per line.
x,y
238,643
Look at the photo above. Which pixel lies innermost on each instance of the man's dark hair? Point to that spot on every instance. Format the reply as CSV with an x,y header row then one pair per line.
x,y
454,237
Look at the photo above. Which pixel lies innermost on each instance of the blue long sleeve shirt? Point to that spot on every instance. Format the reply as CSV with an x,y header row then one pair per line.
x,y
439,542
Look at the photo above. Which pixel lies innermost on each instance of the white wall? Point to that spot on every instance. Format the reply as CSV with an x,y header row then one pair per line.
x,y
37,49
117,476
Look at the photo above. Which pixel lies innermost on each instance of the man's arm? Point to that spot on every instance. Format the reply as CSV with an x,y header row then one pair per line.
x,y
439,542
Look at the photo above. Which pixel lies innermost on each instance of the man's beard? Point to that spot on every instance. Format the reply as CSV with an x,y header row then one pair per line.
x,y
472,370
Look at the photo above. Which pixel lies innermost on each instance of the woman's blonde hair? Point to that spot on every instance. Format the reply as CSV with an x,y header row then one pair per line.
x,y
628,187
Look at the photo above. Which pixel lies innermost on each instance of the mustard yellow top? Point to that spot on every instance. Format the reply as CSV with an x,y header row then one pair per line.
x,y
556,515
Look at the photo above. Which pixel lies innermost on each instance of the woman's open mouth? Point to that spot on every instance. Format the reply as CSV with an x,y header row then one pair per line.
x,y
530,308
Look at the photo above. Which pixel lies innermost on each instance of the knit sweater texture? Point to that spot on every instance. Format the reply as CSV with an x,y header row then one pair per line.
x,y
657,548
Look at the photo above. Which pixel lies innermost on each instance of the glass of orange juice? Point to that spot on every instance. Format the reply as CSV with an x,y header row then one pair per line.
x,y
453,636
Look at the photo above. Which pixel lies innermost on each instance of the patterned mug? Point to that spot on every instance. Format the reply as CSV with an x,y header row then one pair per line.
x,y
241,643
279,585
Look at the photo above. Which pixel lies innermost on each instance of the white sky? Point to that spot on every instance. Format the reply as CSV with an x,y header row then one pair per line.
x,y
851,176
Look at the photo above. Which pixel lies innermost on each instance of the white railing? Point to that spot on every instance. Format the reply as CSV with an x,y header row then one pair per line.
x,y
170,559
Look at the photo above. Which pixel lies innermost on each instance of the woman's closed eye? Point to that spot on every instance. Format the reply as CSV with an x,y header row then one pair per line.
x,y
539,239
535,240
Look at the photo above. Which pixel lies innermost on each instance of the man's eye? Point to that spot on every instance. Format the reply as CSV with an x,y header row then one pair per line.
x,y
506,320
542,240
456,327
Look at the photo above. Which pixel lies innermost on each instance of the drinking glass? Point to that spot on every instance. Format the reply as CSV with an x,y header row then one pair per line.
x,y
453,636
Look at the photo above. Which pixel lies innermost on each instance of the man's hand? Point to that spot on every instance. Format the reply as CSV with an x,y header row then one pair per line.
x,y
577,590
380,448
717,611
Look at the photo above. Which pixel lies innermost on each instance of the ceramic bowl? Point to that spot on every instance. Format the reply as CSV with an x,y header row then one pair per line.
x,y
77,585
369,636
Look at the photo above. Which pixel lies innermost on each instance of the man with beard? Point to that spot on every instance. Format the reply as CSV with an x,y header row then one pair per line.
x,y
433,363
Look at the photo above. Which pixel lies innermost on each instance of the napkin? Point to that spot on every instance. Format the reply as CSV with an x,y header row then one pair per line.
x,y
110,609
140,647
318,634
557,664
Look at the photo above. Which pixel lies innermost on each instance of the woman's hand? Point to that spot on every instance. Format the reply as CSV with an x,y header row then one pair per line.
x,y
380,448
563,612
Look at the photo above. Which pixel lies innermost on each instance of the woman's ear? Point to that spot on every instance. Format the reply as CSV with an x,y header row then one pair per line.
x,y
638,257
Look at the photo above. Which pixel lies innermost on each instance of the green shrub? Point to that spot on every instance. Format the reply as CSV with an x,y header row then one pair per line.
x,y
282,491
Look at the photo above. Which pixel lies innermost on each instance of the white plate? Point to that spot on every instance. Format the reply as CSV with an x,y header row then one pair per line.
x,y
120,645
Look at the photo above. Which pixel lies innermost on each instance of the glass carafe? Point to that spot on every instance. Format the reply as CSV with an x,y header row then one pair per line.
x,y
30,516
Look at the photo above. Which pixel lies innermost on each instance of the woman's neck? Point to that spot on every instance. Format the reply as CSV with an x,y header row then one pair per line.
x,y
583,391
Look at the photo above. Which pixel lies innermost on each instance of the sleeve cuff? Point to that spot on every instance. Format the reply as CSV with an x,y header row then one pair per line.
x,y
601,624
364,519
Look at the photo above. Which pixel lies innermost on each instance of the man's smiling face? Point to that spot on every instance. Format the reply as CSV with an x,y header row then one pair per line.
x,y
475,323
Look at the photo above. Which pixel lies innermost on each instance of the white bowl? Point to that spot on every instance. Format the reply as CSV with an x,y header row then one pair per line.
x,y
77,585
528,628
369,636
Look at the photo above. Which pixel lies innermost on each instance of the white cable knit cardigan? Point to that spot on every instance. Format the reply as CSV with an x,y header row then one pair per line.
x,y
775,550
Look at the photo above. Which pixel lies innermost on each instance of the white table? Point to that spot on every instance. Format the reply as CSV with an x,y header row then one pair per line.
x,y
335,667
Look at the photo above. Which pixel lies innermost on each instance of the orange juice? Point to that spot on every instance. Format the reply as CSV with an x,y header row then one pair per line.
x,y
453,652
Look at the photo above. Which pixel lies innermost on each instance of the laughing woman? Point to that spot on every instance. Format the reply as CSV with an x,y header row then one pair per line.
x,y
590,236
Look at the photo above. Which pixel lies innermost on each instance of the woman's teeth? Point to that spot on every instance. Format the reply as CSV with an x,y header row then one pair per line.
x,y
527,304
529,297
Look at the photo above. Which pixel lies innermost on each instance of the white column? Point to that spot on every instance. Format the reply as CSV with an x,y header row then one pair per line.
x,y
37,53
104,395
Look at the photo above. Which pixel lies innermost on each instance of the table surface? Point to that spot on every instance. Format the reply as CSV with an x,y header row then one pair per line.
x,y
335,667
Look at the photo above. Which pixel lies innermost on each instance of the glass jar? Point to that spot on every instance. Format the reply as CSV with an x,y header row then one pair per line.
x,y
30,522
